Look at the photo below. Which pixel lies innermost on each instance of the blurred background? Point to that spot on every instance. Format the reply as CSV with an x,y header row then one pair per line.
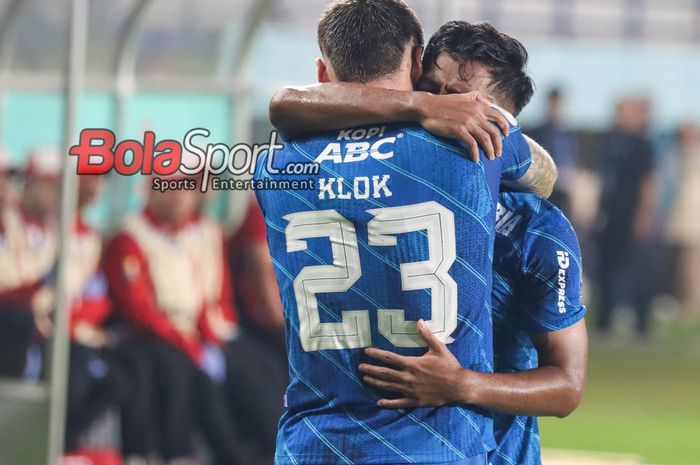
x,y
609,74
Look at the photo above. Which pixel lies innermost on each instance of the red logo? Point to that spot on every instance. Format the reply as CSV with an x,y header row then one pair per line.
x,y
98,154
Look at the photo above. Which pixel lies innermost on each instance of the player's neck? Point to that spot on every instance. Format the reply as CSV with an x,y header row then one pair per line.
x,y
393,83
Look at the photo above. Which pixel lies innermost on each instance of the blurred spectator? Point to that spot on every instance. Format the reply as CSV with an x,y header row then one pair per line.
x,y
28,248
8,192
38,206
168,280
260,403
16,322
561,144
257,295
684,228
96,381
626,216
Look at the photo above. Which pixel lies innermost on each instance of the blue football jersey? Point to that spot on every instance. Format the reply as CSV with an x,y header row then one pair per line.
x,y
398,226
536,289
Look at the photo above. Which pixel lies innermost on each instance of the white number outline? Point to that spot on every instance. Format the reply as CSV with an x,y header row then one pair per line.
x,y
433,274
354,331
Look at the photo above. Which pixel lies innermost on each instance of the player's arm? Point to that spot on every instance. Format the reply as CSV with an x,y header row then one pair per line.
x,y
436,378
296,111
554,388
554,321
549,307
541,175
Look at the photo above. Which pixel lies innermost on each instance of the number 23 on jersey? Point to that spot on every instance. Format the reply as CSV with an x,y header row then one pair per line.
x,y
354,331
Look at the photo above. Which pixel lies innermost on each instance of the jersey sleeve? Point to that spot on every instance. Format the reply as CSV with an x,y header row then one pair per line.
x,y
511,166
551,282
516,157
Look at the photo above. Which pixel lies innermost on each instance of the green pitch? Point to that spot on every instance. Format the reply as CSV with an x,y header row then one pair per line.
x,y
644,401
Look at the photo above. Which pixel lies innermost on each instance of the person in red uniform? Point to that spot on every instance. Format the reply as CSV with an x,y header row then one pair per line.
x,y
38,210
16,320
257,296
97,381
86,281
168,281
28,246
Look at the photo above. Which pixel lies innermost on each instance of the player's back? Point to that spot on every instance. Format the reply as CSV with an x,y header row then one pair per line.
x,y
537,289
399,227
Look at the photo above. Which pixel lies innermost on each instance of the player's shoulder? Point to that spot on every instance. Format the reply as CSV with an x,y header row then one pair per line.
x,y
415,139
549,218
396,133
536,217
512,120
355,134
544,226
535,209
415,133
515,212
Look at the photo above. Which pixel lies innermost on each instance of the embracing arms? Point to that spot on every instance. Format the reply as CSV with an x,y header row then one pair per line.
x,y
436,378
542,174
554,388
296,111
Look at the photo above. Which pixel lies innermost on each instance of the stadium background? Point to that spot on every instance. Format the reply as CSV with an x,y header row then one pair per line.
x,y
172,65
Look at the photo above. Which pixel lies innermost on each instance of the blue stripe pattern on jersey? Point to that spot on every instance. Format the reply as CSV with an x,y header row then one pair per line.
x,y
537,289
332,416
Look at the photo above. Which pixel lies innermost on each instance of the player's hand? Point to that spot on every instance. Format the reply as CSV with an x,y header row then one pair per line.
x,y
466,117
430,380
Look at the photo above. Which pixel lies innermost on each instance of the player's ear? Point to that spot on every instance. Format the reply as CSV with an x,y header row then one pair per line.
x,y
322,71
416,65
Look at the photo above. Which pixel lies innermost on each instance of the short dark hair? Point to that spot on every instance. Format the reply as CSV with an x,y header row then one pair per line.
x,y
505,57
366,39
